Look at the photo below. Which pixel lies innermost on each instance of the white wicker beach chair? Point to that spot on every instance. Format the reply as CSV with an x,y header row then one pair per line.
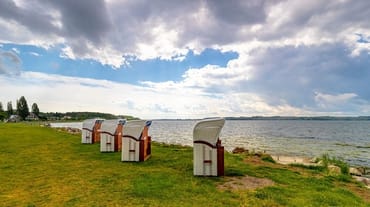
x,y
208,152
90,129
136,143
111,135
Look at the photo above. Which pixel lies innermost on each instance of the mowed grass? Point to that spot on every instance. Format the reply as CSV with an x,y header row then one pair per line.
x,y
41,166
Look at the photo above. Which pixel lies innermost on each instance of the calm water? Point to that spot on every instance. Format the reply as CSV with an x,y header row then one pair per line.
x,y
349,140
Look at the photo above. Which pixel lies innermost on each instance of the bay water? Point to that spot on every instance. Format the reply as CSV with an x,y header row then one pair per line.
x,y
348,140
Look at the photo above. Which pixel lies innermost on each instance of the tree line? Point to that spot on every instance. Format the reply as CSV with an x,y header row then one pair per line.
x,y
83,115
22,109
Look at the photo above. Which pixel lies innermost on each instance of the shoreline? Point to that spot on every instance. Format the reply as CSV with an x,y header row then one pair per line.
x,y
285,159
297,138
359,173
362,171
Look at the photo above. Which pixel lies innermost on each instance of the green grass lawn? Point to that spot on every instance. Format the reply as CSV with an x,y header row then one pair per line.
x,y
41,166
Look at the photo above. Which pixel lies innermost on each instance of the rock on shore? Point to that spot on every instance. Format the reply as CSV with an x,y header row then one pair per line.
x,y
361,174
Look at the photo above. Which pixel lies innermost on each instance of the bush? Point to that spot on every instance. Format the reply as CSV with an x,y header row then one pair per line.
x,y
267,158
327,160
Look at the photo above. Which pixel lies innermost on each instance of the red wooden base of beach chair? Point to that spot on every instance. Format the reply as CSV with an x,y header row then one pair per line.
x,y
220,159
96,134
145,149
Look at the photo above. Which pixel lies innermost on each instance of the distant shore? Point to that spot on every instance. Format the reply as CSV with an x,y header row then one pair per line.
x,y
314,118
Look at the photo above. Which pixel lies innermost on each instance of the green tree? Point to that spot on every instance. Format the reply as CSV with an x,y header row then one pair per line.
x,y
2,112
22,108
35,109
9,108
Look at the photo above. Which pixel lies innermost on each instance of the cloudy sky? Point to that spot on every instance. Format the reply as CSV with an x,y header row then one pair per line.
x,y
187,59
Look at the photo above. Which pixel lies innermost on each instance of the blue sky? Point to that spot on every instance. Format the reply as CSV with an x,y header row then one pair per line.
x,y
193,59
38,59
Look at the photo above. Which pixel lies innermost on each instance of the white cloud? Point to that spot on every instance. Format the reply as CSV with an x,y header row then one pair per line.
x,y
167,30
16,50
106,56
35,54
60,93
283,80
287,50
162,44
349,104
328,100
55,93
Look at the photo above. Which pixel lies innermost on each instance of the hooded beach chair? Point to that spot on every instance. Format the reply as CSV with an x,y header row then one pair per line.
x,y
90,133
111,135
208,152
136,143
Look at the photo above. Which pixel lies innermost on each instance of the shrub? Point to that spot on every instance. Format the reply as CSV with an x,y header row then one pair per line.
x,y
327,160
267,158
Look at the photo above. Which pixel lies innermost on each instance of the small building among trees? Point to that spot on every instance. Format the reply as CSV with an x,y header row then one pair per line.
x,y
21,113
32,117
14,118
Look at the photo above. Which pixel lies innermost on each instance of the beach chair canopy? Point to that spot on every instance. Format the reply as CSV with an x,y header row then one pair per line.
x,y
136,142
110,126
135,128
208,130
90,132
88,123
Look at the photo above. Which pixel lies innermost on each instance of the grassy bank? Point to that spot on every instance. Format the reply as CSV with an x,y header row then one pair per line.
x,y
41,166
